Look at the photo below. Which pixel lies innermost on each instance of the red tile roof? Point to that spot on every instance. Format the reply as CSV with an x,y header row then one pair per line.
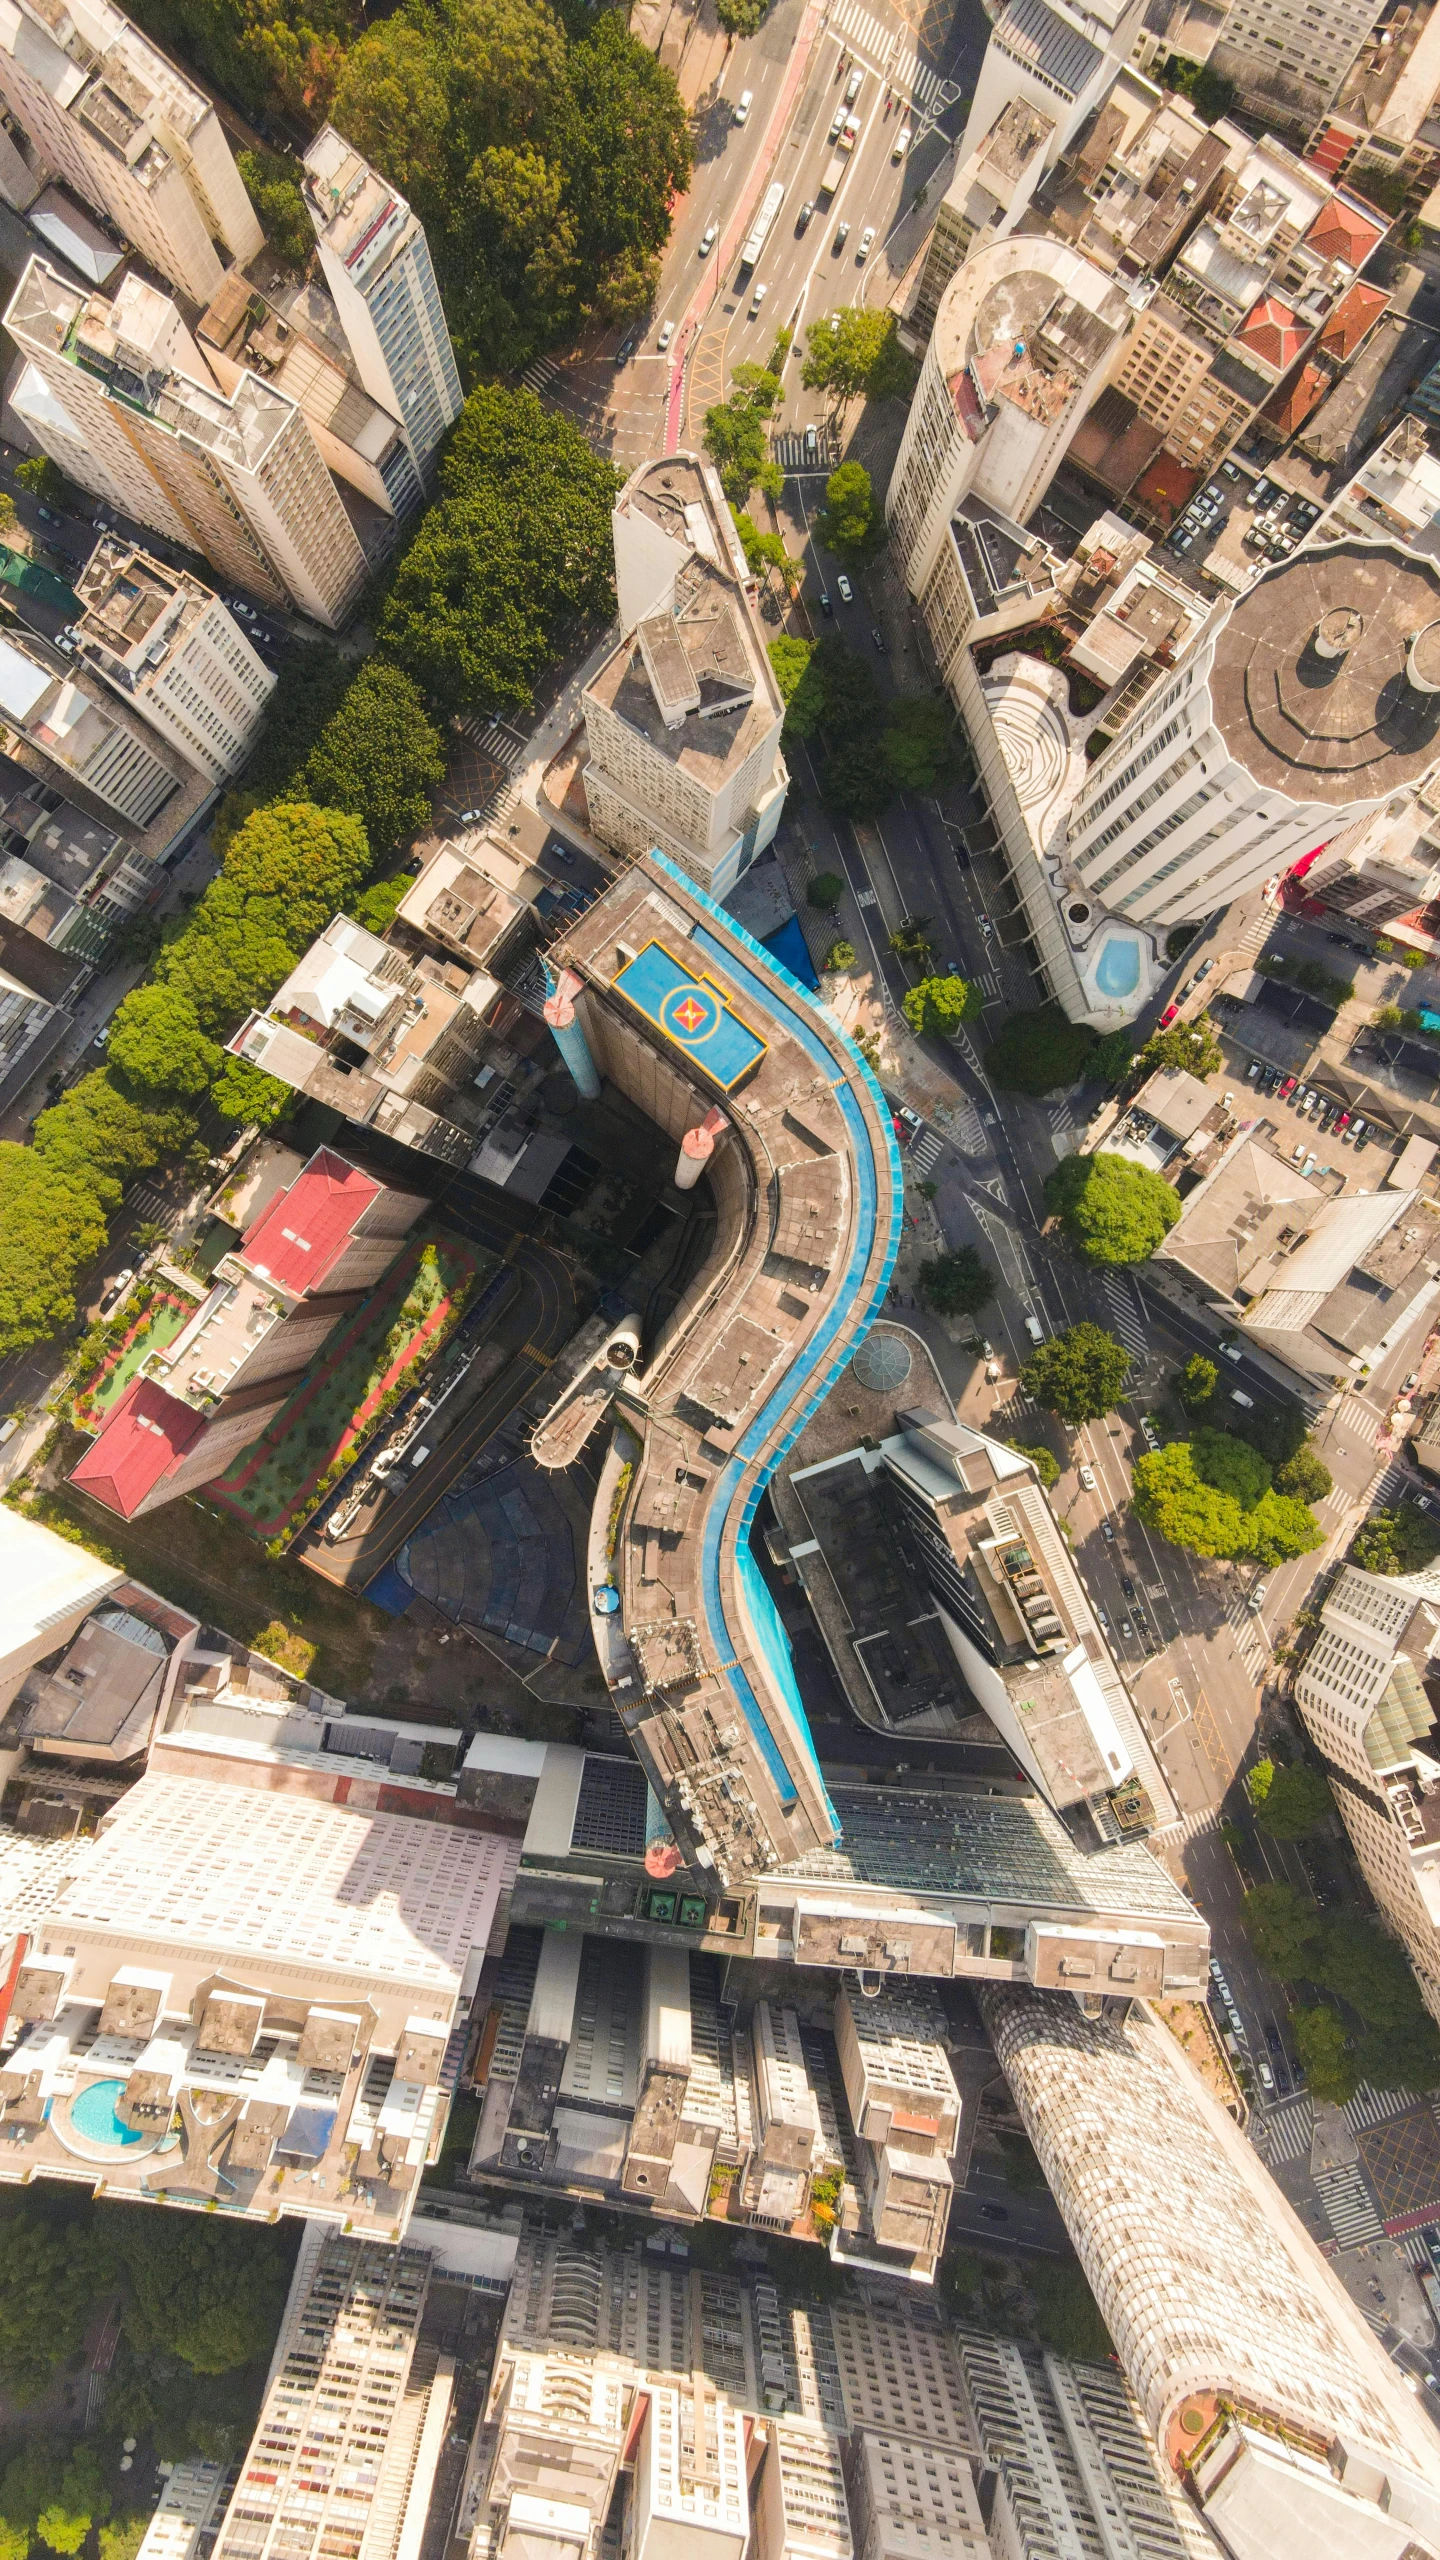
x,y
1352,320
1289,407
1272,333
298,1240
145,1435
1341,230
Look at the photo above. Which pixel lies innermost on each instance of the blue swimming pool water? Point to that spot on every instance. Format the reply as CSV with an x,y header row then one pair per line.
x,y
1117,971
93,2117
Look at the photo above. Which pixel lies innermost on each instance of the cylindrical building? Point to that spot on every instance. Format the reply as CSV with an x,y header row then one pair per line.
x,y
1305,707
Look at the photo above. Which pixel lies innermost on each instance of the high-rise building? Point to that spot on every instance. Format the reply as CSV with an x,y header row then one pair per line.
x,y
261,1986
1075,2475
1304,706
48,1587
1361,1691
119,394
131,135
682,723
1256,2375
1289,60
376,261
1025,335
801,2512
905,2109
171,649
97,750
1054,57
344,2455
308,1260
915,2500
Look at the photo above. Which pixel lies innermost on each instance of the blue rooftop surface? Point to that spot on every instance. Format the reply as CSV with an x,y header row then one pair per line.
x,y
692,1014
788,945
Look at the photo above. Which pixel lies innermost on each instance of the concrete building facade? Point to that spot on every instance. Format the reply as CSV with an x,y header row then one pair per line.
x,y
175,653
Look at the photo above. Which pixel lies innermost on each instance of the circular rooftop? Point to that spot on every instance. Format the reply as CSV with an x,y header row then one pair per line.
x,y
882,1363
1310,686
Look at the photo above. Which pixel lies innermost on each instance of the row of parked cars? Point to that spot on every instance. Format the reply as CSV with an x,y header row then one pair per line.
x,y
1309,1103
1286,2072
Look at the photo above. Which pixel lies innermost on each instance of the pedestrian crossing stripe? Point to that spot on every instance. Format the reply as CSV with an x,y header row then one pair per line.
x,y
539,375
926,1151
907,75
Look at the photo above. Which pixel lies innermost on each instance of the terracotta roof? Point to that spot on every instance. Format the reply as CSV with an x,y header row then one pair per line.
x,y
298,1240
1352,320
144,1437
1272,333
1341,230
1290,406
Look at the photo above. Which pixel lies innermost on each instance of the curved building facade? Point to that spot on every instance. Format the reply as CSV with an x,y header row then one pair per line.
x,y
1311,702
692,1020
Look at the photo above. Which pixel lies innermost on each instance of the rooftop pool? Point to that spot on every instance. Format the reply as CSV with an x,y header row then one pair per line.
x,y
1117,971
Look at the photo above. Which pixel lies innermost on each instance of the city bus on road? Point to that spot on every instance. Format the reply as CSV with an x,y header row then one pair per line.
x,y
762,226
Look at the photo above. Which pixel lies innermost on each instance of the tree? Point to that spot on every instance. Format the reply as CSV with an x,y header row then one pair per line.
x,y
841,955
855,354
287,872
48,483
1115,1211
740,17
207,2292
98,1137
156,1042
1305,1476
912,939
766,551
790,661
48,2278
856,780
1112,1057
825,891
8,512
1285,1930
937,1006
379,758
1186,1044
735,437
121,2538
1197,1382
80,2499
52,1222
1036,1052
849,524
1171,1498
1293,1799
1078,1374
834,691
957,1283
1068,2320
1400,1541
1040,1454
250,1098
920,741
1324,2049
1278,1529
274,191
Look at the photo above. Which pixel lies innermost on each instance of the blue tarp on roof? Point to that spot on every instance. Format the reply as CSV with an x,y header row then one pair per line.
x,y
789,947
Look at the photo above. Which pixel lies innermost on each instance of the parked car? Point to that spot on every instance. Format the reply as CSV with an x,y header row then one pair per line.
x,y
116,1287
1168,1016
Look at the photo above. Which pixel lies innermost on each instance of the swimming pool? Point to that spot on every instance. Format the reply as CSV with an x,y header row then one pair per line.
x,y
1117,971
93,2117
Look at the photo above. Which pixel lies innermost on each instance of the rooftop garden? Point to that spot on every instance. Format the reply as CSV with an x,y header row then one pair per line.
x,y
113,1354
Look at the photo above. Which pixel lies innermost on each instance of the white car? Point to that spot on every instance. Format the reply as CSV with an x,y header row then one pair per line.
x,y
846,591
743,105
1087,1478
867,243
666,334
902,143
760,292
711,236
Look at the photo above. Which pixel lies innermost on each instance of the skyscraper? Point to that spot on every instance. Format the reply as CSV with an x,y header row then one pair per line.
x,y
177,654
93,746
376,261
130,134
1305,706
120,396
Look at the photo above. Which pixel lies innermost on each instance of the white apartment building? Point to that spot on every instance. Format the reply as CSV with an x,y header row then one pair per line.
x,y
1058,58
1288,58
170,648
119,394
376,261
905,2109
48,1588
1303,707
915,2501
1215,2296
788,2119
800,2509
1361,1691
115,119
682,723
99,752
1024,338
690,2500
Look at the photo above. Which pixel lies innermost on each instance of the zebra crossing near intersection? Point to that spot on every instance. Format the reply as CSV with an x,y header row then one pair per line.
x,y
1349,2206
795,453
1257,931
1285,2133
908,76
1125,1316
926,1152
538,376
1250,1644
495,739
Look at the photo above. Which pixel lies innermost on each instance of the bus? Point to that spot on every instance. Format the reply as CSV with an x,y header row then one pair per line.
x,y
763,223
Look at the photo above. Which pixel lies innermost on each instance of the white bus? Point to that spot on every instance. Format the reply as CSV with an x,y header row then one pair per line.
x,y
761,228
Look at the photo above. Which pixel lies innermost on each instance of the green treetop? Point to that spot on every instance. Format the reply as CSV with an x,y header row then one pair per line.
x,y
1114,1210
1289,1800
1037,1052
156,1043
850,524
957,1283
860,359
937,1005
1079,1374
1186,1044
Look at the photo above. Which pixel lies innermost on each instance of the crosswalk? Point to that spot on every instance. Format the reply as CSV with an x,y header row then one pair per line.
x,y
964,1130
1125,1316
907,74
1285,2133
495,739
793,453
149,1205
538,376
1258,931
1359,1421
926,1153
1349,2206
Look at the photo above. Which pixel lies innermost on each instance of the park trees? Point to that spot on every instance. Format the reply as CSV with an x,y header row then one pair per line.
x,y
1185,1044
1079,1374
379,758
1399,1541
920,741
1304,1475
1213,1494
157,1044
735,436
1382,2021
1113,1210
957,1283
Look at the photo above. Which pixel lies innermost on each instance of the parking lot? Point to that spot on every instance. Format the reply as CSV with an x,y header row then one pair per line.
x,y
1237,524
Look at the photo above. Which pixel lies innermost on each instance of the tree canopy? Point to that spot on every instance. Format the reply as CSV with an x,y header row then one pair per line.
x,y
1213,1494
1079,1374
52,1223
856,354
1193,1045
1289,1799
1112,1056
157,1043
379,758
735,437
1037,1052
957,1283
1403,1540
937,1005
850,524
1382,2019
921,747
1040,1454
1115,1211
274,191
1196,1383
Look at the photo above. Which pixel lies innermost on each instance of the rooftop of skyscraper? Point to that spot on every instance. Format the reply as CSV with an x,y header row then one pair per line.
x,y
1327,683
